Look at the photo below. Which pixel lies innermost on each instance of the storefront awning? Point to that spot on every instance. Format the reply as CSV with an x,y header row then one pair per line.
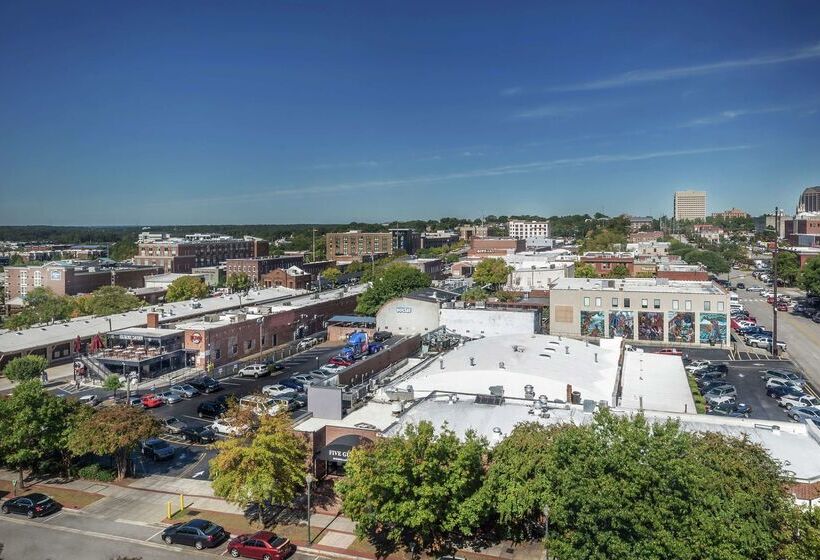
x,y
339,448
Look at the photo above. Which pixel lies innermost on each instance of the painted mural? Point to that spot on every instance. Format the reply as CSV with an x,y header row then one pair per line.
x,y
592,323
681,326
622,323
650,326
713,328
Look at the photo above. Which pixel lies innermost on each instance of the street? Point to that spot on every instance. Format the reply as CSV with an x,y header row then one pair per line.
x,y
69,535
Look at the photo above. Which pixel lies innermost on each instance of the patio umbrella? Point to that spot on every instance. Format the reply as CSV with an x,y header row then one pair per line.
x,y
96,343
78,345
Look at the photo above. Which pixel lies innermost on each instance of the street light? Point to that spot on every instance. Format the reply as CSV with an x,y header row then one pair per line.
x,y
309,479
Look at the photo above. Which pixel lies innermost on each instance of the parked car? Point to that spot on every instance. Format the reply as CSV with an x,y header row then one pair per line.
x,y
717,384
151,401
158,449
294,384
135,401
741,286
332,368
381,336
782,306
781,389
309,378
709,376
254,370
804,413
278,390
199,434
306,343
224,427
90,400
692,366
263,545
185,390
713,394
816,318
670,352
733,409
174,425
169,397
30,505
720,399
205,384
710,368
210,409
199,533
792,377
340,361
781,346
790,401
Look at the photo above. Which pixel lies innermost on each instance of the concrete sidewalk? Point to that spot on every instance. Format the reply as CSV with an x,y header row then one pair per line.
x,y
57,375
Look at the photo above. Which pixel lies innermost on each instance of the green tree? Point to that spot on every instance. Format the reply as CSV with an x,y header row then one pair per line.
x,y
114,430
25,368
585,270
493,272
788,267
331,274
123,250
394,280
112,383
618,271
474,294
185,288
239,282
265,466
32,422
802,535
413,491
714,262
810,276
109,300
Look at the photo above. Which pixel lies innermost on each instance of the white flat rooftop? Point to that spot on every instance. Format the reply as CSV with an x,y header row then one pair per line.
x,y
376,414
655,382
639,285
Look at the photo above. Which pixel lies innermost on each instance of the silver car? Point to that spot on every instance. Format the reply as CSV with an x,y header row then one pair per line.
x,y
169,397
805,414
185,391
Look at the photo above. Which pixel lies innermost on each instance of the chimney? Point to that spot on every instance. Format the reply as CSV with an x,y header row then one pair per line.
x,y
569,393
152,320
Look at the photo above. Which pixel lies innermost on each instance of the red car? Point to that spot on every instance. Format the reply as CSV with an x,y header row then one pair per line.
x,y
262,545
670,352
151,401
339,361
782,306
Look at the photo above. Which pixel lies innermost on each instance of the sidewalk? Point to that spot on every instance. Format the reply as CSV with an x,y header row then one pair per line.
x,y
57,375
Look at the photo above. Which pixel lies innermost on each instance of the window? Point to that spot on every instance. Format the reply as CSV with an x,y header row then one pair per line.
x,y
707,305
217,354
586,302
675,305
598,302
656,304
614,302
720,306
644,303
627,302
687,305
234,349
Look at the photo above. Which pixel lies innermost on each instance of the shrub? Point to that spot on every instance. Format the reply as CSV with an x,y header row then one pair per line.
x,y
96,472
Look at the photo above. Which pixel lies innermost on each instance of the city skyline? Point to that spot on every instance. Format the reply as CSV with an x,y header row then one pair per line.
x,y
314,113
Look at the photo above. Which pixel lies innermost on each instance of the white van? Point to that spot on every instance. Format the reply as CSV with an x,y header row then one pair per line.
x,y
733,298
261,404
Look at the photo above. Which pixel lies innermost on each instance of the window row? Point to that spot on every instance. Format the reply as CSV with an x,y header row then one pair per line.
x,y
656,304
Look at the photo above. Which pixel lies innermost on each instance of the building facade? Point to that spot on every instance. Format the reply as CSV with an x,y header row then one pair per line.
x,y
432,239
803,230
255,268
486,247
730,214
431,267
465,233
647,310
406,239
354,246
605,262
636,223
522,229
293,277
809,200
183,254
689,205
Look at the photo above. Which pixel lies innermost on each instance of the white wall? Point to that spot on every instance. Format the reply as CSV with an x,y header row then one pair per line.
x,y
408,316
475,323
526,279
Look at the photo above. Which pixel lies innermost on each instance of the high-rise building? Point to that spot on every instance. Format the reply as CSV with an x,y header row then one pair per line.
x,y
809,200
690,205
521,229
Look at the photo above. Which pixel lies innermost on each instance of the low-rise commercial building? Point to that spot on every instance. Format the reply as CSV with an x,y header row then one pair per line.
x,y
605,262
357,246
433,239
637,223
214,275
683,271
648,310
541,276
465,233
492,247
182,254
730,214
293,277
431,267
257,267
165,280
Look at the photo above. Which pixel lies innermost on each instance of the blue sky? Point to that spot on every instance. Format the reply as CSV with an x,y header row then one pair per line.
x,y
282,112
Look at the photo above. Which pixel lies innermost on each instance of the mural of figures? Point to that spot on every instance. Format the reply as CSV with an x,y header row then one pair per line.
x,y
592,323
650,326
622,323
681,326
713,328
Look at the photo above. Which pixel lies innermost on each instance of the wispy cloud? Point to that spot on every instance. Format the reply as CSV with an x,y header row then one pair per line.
x,y
663,74
549,111
731,115
365,163
512,91
513,169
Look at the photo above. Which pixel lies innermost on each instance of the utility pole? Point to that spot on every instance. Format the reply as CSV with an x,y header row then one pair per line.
x,y
313,259
775,349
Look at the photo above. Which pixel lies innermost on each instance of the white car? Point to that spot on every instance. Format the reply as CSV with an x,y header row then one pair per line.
x,y
90,400
332,368
254,370
278,391
697,364
225,428
774,382
720,399
791,401
306,343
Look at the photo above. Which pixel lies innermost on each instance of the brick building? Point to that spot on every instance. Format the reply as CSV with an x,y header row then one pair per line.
x,y
672,271
605,262
69,278
182,254
486,247
357,246
430,240
293,277
803,230
465,233
257,267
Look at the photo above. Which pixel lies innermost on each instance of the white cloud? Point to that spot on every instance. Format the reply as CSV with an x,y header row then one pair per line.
x,y
663,74
512,91
727,116
549,111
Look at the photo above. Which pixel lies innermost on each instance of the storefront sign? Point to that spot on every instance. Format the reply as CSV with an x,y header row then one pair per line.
x,y
136,337
196,338
338,450
404,309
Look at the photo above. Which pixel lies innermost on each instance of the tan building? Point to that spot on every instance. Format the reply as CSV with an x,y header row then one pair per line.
x,y
486,247
69,278
182,254
465,233
648,310
357,246
522,229
731,213
690,205
431,267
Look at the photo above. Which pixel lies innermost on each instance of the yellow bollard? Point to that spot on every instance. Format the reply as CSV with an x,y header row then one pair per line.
x,y
169,509
181,502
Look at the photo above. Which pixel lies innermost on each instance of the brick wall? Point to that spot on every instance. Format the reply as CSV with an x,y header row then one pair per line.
x,y
364,369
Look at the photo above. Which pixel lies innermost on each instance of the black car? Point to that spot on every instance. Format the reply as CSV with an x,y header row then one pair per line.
x,y
741,286
210,409
199,434
294,384
712,368
30,505
199,533
733,409
710,376
206,384
783,390
158,449
381,336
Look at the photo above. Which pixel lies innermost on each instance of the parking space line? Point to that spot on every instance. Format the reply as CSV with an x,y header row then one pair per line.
x,y
155,534
196,418
55,516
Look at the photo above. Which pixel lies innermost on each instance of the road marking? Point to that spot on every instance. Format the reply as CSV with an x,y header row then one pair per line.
x,y
55,516
197,418
155,534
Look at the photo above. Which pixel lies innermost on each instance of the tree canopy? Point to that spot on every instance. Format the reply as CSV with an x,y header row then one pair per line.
x,y
107,301
619,271
810,276
585,270
788,267
239,282
122,250
491,271
331,274
394,280
24,368
412,492
185,288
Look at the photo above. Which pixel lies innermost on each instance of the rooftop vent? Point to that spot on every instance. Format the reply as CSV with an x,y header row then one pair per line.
x,y
472,361
489,399
529,392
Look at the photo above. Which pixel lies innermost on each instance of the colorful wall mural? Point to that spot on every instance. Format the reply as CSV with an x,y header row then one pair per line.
x,y
592,323
650,326
713,328
622,323
681,326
